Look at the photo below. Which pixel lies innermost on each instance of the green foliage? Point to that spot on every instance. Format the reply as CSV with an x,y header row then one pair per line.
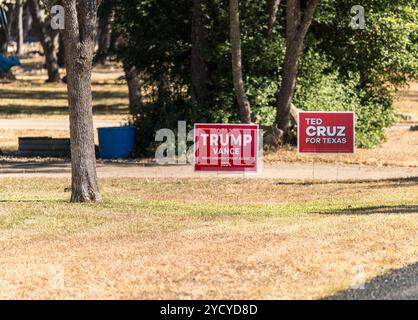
x,y
321,88
370,64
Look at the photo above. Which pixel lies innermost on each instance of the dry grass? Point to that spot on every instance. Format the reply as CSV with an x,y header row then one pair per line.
x,y
202,238
9,138
408,101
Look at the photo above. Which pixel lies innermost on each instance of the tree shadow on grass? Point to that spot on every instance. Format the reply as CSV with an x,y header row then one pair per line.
x,y
400,284
99,109
413,180
58,94
369,210
29,201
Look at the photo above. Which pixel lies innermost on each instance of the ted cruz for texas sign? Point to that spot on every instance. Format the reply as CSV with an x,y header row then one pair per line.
x,y
326,132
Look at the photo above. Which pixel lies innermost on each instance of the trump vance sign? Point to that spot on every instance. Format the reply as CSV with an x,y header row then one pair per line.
x,y
226,147
326,132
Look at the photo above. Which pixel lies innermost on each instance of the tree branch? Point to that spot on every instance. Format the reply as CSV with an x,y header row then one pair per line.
x,y
272,9
307,18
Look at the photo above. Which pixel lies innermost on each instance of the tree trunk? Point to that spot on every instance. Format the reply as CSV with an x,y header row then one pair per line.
x,y
27,22
79,37
297,28
243,102
272,10
287,87
4,38
61,51
19,27
105,32
114,39
132,78
199,53
4,44
49,40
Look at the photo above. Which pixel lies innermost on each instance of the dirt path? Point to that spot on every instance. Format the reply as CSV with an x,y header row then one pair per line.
x,y
282,171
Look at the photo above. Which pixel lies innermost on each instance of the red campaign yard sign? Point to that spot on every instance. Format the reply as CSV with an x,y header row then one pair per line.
x,y
326,132
226,147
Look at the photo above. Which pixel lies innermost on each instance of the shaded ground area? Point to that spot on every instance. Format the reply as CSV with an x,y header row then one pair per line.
x,y
30,107
30,96
401,284
28,99
210,238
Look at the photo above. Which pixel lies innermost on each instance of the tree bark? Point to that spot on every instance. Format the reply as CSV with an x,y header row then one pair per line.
x,y
4,36
132,78
105,32
61,51
243,102
272,10
199,66
19,27
79,37
27,21
297,28
49,40
4,44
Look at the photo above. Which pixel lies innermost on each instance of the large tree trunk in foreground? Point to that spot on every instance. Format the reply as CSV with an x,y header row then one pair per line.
x,y
243,102
272,10
79,37
49,40
297,28
199,52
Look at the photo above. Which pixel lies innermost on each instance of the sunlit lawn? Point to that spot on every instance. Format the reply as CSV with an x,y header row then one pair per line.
x,y
202,238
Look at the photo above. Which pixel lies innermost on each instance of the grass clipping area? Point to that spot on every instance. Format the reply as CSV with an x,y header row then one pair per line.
x,y
202,238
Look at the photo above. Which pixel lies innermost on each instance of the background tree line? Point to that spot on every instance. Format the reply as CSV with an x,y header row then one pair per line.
x,y
228,61
187,54
223,61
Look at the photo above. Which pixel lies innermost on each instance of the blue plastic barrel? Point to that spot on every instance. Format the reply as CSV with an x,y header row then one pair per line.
x,y
116,142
